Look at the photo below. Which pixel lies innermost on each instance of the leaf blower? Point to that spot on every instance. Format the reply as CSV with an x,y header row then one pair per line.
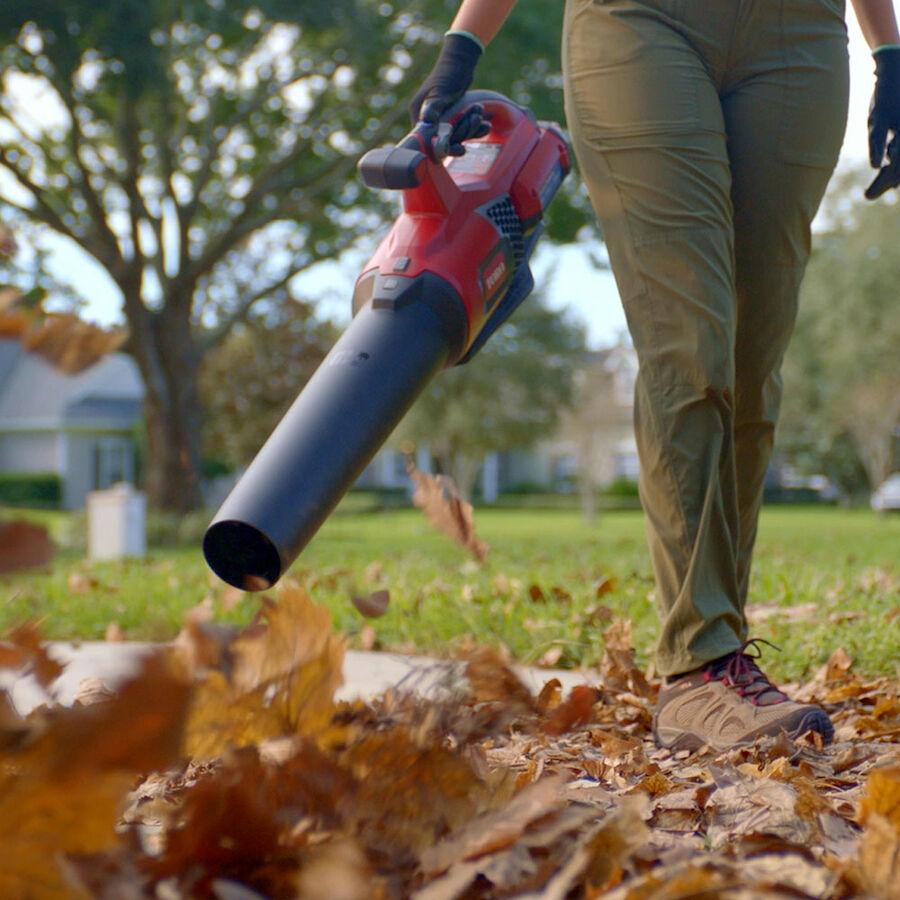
x,y
449,272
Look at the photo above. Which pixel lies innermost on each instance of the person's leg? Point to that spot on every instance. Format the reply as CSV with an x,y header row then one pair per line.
x,y
649,137
643,85
785,113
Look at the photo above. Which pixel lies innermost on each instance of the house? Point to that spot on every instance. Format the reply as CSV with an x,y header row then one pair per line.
x,y
78,427
594,444
592,447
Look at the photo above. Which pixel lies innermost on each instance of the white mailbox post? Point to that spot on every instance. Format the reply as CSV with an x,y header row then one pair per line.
x,y
116,521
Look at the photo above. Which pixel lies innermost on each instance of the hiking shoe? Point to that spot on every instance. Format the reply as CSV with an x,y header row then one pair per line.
x,y
729,702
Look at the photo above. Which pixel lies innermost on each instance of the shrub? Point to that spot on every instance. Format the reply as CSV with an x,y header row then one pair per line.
x,y
35,489
621,487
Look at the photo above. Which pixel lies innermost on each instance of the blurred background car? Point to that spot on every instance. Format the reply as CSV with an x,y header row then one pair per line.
x,y
887,495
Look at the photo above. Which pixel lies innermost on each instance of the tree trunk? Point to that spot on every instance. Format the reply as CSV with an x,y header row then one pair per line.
x,y
168,358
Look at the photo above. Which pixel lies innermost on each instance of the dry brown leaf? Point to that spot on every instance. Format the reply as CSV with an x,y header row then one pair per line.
x,y
71,344
497,829
33,656
336,871
492,680
12,324
838,665
227,823
762,806
373,605
42,819
409,791
114,633
273,679
23,545
9,296
879,857
882,796
62,791
8,246
550,696
576,710
438,498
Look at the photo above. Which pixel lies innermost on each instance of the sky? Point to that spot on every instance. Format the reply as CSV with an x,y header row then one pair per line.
x,y
572,282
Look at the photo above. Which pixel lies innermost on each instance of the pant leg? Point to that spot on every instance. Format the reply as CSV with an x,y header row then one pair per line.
x,y
649,136
784,104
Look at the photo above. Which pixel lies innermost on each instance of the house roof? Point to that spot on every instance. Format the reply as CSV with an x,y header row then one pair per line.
x,y
33,394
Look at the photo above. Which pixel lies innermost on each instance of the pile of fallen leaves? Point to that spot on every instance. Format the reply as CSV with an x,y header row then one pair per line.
x,y
225,769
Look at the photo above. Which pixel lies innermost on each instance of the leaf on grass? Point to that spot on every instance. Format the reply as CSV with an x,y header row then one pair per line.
x,y
80,583
837,667
373,605
23,546
438,498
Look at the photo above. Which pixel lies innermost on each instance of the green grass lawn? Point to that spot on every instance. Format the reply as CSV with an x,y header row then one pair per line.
x,y
549,586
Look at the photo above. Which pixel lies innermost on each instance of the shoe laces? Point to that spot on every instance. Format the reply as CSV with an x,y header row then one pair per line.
x,y
739,671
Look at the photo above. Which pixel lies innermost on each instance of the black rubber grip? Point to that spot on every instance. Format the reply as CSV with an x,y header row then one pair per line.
x,y
393,168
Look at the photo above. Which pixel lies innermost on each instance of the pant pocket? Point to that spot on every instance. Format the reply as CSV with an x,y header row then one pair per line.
x,y
817,83
628,71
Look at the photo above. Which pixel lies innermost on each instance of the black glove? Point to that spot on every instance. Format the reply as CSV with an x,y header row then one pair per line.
x,y
449,79
884,118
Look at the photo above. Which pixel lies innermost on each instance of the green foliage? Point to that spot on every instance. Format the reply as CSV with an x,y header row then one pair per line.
x,y
622,487
248,382
510,395
204,153
842,372
41,489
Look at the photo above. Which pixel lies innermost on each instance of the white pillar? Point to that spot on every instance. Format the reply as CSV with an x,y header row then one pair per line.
x,y
490,477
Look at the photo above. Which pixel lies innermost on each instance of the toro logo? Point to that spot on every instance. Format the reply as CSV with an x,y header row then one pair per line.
x,y
494,274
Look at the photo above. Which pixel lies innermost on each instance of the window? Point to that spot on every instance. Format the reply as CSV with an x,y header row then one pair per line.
x,y
112,462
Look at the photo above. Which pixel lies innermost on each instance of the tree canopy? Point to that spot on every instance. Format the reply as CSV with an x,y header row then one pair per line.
x,y
203,153
842,372
508,397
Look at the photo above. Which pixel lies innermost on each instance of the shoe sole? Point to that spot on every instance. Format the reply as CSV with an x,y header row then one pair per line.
x,y
813,719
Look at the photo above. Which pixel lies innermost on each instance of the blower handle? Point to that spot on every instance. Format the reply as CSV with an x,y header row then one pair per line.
x,y
406,165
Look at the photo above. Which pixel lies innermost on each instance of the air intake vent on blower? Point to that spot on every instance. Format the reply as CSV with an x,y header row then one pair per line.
x,y
503,215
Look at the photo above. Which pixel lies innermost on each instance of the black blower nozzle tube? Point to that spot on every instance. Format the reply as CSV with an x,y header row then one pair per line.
x,y
333,429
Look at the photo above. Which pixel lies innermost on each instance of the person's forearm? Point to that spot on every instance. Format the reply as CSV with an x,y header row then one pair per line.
x,y
482,18
877,22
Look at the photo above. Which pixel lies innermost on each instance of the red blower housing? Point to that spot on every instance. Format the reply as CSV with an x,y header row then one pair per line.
x,y
448,274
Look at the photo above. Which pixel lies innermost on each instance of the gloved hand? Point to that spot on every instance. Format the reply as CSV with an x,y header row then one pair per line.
x,y
884,117
449,79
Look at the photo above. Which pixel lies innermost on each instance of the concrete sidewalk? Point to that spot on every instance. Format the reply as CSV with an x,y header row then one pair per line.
x,y
366,674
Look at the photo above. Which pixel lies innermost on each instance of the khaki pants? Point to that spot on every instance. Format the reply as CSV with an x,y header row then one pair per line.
x,y
706,131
